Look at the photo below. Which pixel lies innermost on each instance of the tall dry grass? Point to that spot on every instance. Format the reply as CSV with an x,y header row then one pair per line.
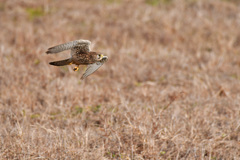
x,y
170,89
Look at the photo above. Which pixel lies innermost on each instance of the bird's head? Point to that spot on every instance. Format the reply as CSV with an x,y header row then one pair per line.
x,y
99,56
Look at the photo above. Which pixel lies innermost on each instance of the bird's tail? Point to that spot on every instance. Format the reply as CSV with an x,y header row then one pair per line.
x,y
62,62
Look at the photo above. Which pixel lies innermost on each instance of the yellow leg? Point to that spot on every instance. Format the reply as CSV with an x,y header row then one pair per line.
x,y
75,68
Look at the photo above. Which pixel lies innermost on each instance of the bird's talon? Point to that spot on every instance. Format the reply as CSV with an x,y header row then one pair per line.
x,y
75,68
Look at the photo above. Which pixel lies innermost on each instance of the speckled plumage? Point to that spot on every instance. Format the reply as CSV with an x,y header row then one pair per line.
x,y
81,54
85,59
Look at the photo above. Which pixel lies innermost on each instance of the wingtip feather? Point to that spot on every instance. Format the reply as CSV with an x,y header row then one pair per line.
x,y
49,51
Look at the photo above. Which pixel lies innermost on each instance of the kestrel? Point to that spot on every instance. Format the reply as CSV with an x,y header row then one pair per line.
x,y
81,54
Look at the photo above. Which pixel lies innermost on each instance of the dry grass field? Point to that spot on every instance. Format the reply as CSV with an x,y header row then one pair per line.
x,y
170,89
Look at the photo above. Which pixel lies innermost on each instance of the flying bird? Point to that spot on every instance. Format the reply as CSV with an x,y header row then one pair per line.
x,y
81,54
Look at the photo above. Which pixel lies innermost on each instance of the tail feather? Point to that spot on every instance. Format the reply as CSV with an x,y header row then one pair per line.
x,y
62,62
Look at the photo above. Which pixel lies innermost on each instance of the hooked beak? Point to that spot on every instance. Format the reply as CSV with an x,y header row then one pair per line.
x,y
104,59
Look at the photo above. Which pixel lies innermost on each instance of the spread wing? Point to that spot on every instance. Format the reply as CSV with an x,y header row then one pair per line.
x,y
81,46
91,68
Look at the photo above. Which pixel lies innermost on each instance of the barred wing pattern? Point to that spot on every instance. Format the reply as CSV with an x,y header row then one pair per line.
x,y
93,67
82,46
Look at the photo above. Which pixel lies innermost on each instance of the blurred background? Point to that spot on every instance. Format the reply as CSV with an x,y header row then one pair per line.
x,y
170,89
